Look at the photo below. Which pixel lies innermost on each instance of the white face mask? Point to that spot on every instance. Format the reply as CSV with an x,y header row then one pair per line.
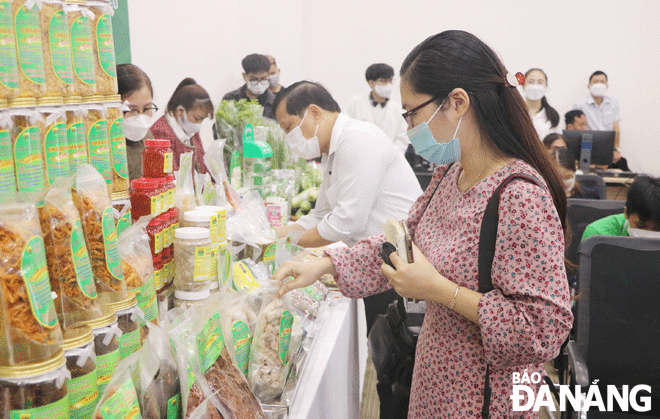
x,y
273,80
598,89
638,232
534,91
136,128
307,148
569,184
383,90
258,87
190,128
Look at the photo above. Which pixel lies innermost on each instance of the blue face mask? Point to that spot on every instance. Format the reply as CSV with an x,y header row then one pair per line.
x,y
426,146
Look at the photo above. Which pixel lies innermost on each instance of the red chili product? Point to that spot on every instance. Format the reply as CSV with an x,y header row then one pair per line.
x,y
162,193
158,272
172,191
156,158
168,236
144,198
152,231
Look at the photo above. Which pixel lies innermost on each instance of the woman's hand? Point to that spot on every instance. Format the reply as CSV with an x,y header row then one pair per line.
x,y
416,280
303,273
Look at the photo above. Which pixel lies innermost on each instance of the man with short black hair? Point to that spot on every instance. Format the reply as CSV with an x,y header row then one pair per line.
x,y
274,76
576,120
255,74
602,111
377,107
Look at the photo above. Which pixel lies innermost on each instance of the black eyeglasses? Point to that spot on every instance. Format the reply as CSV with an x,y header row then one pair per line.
x,y
149,111
407,116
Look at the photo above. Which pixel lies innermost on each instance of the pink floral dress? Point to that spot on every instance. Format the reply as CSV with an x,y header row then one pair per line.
x,y
523,321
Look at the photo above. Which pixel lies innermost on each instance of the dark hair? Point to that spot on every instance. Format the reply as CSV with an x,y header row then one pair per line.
x,y
191,96
379,71
131,78
571,116
255,63
643,199
300,95
550,112
458,59
272,61
551,138
597,73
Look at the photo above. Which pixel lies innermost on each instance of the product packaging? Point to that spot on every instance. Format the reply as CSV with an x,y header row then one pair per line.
x,y
82,47
55,39
106,345
104,47
83,392
31,175
7,173
9,79
30,49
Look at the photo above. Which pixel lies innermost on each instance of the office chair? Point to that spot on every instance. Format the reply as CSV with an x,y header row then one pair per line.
x,y
592,186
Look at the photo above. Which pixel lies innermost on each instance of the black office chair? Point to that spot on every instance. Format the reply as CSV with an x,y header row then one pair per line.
x,y
618,330
592,186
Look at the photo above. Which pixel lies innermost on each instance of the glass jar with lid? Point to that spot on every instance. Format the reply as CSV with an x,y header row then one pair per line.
x,y
157,158
9,80
104,47
7,174
53,133
78,346
30,49
106,345
82,47
98,143
117,143
26,142
56,43
75,132
192,258
127,320
187,299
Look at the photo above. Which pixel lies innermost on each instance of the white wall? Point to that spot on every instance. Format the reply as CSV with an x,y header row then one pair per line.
x,y
333,41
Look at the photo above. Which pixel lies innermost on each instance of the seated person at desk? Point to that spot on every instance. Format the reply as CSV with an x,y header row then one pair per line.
x,y
554,142
256,68
641,216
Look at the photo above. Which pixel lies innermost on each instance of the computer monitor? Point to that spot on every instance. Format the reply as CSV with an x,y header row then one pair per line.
x,y
590,147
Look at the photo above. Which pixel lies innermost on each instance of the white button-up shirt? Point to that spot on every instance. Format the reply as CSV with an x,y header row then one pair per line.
x,y
366,181
388,118
543,125
600,118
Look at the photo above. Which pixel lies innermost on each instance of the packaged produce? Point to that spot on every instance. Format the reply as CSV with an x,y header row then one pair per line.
x,y
222,219
55,142
56,43
121,205
32,73
171,192
30,331
224,264
7,174
127,319
75,132
104,47
279,199
9,80
106,345
26,143
187,299
80,357
119,398
36,390
95,209
185,192
156,158
242,309
165,297
192,258
98,143
117,142
82,47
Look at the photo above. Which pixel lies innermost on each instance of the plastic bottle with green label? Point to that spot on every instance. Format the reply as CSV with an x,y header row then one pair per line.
x,y
29,46
82,48
104,47
7,174
57,49
55,143
27,150
8,59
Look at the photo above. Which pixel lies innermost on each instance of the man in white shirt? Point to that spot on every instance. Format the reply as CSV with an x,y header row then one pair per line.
x,y
377,107
602,111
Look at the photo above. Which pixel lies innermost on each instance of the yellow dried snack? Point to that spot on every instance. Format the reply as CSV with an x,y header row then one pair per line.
x,y
30,51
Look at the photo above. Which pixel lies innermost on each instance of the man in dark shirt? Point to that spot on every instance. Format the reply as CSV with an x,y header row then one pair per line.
x,y
256,68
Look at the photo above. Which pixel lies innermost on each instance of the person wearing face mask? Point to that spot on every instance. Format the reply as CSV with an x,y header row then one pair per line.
x,y
256,68
554,143
378,108
189,105
135,89
464,109
544,116
602,112
274,76
641,215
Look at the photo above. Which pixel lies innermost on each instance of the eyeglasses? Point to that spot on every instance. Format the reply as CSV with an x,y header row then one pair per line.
x,y
255,79
149,111
407,116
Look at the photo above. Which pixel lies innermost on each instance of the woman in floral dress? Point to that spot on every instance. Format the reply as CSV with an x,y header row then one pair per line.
x,y
454,83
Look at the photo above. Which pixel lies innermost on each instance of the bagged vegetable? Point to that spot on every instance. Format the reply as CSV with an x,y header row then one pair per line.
x,y
185,188
69,268
96,212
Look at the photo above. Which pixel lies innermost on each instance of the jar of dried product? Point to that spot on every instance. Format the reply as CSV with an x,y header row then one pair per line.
x,y
117,143
98,143
160,234
171,198
56,43
82,47
55,142
35,390
159,278
75,132
168,236
144,198
153,228
7,174
127,318
162,193
187,299
203,218
106,345
157,158
224,263
26,142
222,219
9,62
192,258
32,73
104,47
123,215
80,357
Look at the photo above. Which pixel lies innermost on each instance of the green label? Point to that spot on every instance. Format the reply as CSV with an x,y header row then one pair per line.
x,y
112,257
146,299
106,45
57,410
7,175
129,343
122,404
57,151
313,292
98,148
75,135
105,366
35,272
30,175
224,264
83,395
118,146
30,50
8,62
202,267
286,321
213,258
210,342
81,261
82,50
124,222
242,341
269,253
174,407
60,47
